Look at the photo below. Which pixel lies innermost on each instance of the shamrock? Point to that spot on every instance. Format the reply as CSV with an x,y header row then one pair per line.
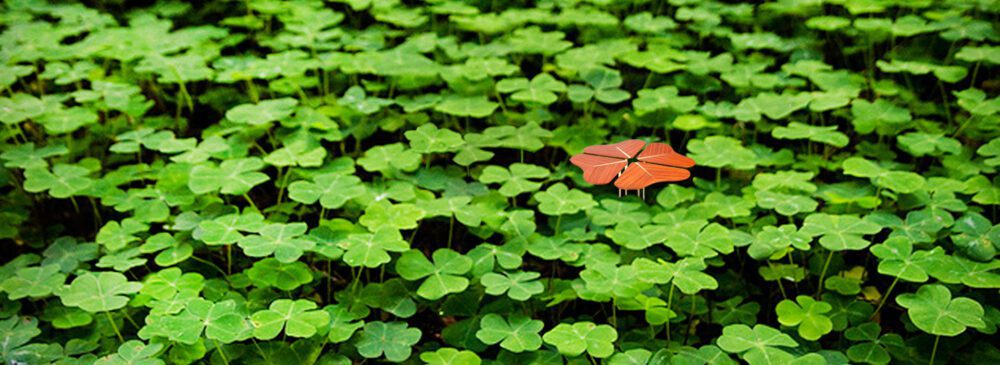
x,y
541,89
226,229
166,283
450,356
343,323
560,200
807,314
270,272
898,181
232,177
774,240
466,106
15,334
608,278
394,339
515,179
34,282
759,345
718,152
384,214
26,156
664,97
389,158
133,352
631,236
98,292
839,232
795,130
896,258
62,182
516,333
577,338
442,275
280,239
220,322
428,139
372,249
933,310
519,286
700,239
881,115
299,318
262,113
871,348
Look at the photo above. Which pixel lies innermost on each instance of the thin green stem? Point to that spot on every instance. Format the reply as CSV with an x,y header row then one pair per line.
x,y
451,229
822,274
121,339
885,298
934,349
222,353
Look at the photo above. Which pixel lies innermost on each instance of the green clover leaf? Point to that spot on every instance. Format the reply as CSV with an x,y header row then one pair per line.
x,y
262,113
35,282
560,200
390,158
383,214
270,272
516,333
719,151
775,240
807,314
577,338
442,276
758,346
839,232
232,177
133,352
62,182
519,285
664,97
98,292
372,249
219,321
279,239
450,356
515,179
299,318
428,139
896,258
394,339
933,310
541,89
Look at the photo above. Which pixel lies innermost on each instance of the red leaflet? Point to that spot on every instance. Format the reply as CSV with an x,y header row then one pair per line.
x,y
656,163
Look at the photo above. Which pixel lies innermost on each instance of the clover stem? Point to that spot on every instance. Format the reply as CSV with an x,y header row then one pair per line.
x,y
558,222
670,301
247,197
222,354
252,89
718,178
944,100
115,327
691,319
614,313
451,229
209,263
229,259
885,297
934,349
822,274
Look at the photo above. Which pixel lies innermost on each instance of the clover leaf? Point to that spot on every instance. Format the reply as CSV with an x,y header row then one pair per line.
x,y
560,200
719,151
279,239
664,97
62,182
384,214
34,282
896,258
933,310
372,249
516,333
774,240
270,272
442,275
389,158
839,232
429,139
262,113
450,356
758,345
219,321
576,338
232,177
541,89
807,314
519,286
98,292
299,318
394,339
133,352
795,130
898,181
515,179
466,106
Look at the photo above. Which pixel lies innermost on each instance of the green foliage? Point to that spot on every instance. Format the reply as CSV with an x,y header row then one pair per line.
x,y
357,181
